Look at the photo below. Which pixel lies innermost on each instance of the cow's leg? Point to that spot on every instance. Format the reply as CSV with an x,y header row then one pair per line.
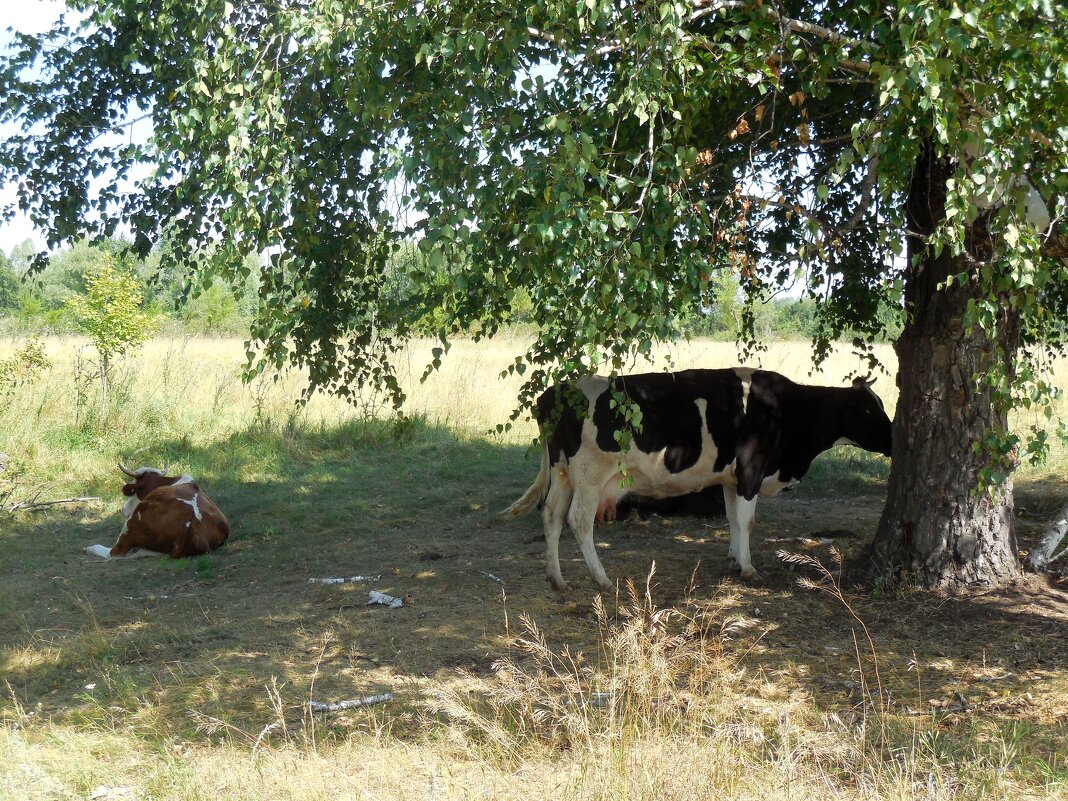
x,y
125,542
744,513
553,515
740,515
730,499
580,517
133,542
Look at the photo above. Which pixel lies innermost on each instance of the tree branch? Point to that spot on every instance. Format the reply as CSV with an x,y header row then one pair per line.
x,y
33,505
866,190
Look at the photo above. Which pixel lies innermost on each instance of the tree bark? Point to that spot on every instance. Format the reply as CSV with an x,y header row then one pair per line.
x,y
939,528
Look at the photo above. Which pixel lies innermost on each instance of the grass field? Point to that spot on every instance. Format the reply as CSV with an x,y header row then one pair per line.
x,y
191,679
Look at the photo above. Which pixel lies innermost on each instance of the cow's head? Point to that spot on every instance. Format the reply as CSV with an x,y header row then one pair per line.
x,y
143,480
865,420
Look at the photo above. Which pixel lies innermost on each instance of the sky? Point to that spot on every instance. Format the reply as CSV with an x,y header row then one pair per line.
x,y
26,16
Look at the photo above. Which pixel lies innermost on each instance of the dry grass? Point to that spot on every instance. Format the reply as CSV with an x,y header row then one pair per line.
x,y
191,680
666,708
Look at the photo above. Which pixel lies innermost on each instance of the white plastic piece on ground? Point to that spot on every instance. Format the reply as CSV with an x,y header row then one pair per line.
x,y
376,597
322,706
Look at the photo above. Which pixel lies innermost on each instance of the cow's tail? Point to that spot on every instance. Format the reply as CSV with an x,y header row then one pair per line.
x,y
537,492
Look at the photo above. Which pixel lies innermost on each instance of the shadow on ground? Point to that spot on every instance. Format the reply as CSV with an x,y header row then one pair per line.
x,y
194,647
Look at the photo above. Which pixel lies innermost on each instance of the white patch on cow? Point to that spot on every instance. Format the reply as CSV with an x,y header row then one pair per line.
x,y
189,524
138,515
647,471
185,478
746,376
129,506
140,471
194,504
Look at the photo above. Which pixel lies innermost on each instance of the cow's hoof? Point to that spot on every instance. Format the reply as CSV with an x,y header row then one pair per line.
x,y
608,586
752,574
558,585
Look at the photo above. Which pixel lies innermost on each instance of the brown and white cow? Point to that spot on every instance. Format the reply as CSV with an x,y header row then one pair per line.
x,y
752,431
168,515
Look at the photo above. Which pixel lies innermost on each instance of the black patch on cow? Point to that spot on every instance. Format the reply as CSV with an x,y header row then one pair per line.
x,y
671,418
560,412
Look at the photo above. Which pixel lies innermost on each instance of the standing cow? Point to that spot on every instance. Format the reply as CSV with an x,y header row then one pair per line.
x,y
752,431
168,515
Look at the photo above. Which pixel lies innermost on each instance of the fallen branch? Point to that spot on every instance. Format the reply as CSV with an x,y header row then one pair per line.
x,y
1043,553
34,505
346,579
322,706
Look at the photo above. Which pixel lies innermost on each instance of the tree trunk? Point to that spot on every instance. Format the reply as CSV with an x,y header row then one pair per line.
x,y
938,527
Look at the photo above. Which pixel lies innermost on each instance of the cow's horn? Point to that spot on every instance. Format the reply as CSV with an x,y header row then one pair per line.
x,y
128,472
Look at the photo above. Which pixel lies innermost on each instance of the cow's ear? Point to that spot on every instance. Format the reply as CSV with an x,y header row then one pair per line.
x,y
128,489
861,382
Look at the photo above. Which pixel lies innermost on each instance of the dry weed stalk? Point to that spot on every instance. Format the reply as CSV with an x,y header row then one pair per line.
x,y
655,671
831,584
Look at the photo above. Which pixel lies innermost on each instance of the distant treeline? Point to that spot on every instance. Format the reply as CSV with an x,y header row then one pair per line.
x,y
39,303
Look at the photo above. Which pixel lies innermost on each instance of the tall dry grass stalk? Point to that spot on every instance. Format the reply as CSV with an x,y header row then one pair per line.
x,y
876,700
656,673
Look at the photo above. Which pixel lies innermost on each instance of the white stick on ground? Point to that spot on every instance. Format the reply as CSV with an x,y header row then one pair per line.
x,y
322,706
346,580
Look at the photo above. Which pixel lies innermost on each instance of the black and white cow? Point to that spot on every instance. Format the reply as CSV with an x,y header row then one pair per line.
x,y
752,431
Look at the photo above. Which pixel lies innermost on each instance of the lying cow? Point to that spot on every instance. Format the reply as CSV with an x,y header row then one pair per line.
x,y
165,515
752,431
704,503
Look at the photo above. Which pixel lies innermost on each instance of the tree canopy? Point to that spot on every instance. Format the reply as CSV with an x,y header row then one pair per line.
x,y
606,157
